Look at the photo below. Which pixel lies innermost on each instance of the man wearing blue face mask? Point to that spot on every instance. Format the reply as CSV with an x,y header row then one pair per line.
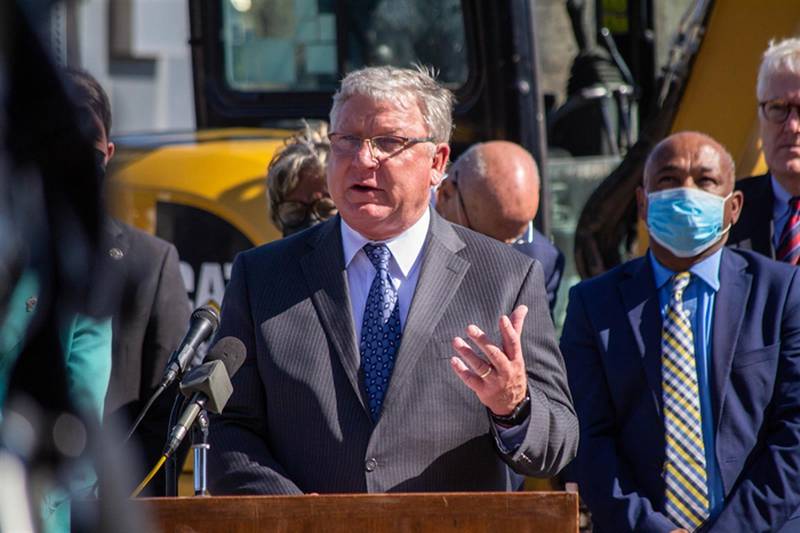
x,y
684,365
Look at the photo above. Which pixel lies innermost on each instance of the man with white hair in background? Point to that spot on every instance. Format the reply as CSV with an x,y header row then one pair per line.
x,y
770,221
352,327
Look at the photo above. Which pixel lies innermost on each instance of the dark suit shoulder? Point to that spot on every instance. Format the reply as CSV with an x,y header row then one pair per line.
x,y
288,249
765,269
543,243
545,251
611,278
752,184
143,242
754,229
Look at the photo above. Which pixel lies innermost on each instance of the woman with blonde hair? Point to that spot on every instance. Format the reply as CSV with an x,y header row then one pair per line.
x,y
297,190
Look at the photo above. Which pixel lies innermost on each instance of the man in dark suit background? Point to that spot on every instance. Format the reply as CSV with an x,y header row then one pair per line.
x,y
493,188
350,383
684,365
140,285
770,221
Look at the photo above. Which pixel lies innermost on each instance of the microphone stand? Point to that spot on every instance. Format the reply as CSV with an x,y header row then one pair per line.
x,y
171,468
200,446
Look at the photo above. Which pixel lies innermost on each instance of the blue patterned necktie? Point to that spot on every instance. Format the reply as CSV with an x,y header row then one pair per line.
x,y
380,329
685,468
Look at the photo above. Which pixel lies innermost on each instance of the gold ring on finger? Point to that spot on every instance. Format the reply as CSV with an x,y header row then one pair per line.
x,y
488,371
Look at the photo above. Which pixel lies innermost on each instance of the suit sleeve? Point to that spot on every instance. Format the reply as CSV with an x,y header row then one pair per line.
x,y
768,491
167,323
551,438
240,461
87,349
603,477
169,319
553,280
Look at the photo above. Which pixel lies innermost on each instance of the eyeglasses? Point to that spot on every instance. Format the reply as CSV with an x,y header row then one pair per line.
x,y
293,213
380,146
454,180
777,111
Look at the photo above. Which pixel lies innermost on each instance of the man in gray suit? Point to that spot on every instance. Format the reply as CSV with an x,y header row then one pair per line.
x,y
350,382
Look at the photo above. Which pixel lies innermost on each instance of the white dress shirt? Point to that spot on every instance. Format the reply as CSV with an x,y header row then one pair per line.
x,y
404,267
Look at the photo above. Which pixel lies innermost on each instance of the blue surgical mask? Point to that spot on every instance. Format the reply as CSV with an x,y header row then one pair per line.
x,y
686,221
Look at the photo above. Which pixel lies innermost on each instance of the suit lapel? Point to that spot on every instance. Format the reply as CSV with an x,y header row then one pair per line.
x,y
326,276
115,233
640,298
117,242
729,308
115,271
441,273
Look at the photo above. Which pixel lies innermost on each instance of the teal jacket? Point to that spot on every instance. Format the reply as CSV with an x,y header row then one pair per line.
x,y
86,344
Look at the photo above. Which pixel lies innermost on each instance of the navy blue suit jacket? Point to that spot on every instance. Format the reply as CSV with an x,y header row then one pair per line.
x,y
552,261
612,347
755,228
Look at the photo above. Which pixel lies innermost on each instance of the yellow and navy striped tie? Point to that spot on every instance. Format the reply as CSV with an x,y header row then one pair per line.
x,y
685,466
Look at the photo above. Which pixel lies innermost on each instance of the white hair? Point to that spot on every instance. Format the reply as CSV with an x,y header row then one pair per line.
x,y
408,86
781,56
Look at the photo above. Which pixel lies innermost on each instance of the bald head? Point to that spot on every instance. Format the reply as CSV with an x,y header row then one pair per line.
x,y
498,184
691,152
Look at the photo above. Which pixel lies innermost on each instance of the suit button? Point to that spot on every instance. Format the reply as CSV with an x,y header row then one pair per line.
x,y
371,464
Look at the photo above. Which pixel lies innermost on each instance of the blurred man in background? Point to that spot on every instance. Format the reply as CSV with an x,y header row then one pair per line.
x,y
493,188
141,286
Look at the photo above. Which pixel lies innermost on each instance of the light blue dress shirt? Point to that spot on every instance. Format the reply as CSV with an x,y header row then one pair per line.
x,y
780,211
698,300
527,235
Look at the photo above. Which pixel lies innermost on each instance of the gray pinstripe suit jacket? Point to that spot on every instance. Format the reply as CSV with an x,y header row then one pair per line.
x,y
298,421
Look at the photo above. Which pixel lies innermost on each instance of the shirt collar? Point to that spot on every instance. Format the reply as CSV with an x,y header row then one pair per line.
x,y
405,247
707,270
781,204
526,236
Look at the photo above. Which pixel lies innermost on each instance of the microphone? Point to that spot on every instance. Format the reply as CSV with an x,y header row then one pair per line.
x,y
202,324
208,387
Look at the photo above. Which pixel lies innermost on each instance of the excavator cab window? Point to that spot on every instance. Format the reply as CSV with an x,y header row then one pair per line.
x,y
271,62
306,45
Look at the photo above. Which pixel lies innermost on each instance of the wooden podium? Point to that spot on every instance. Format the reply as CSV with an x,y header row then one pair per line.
x,y
489,512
